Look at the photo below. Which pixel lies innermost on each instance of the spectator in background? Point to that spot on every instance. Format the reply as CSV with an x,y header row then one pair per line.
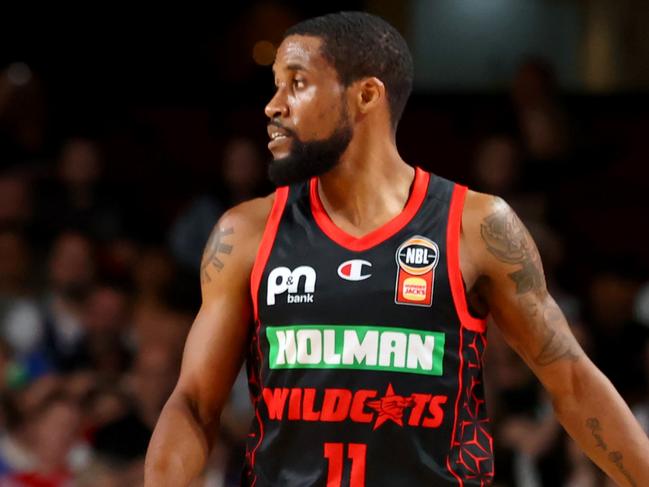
x,y
78,197
497,169
244,171
71,272
16,208
18,307
542,121
15,260
156,318
15,248
617,338
152,379
20,317
496,166
103,344
52,431
242,178
536,124
15,454
56,428
51,332
123,440
525,430
5,363
105,404
23,116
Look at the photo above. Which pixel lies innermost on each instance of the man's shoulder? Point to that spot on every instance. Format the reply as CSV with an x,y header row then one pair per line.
x,y
484,213
478,206
235,239
249,217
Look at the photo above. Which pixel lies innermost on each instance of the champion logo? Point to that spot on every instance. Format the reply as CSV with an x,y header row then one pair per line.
x,y
353,270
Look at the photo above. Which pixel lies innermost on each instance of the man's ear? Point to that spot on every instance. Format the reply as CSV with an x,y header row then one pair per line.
x,y
370,93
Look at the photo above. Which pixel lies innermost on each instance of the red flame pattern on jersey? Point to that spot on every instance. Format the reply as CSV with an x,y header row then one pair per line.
x,y
472,449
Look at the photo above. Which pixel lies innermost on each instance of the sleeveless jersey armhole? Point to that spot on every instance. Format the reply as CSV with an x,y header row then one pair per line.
x,y
453,261
266,245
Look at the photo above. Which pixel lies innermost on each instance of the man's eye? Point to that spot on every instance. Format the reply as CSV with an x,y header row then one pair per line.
x,y
298,83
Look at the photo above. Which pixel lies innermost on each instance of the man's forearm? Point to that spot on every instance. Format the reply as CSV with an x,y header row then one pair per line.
x,y
179,447
601,423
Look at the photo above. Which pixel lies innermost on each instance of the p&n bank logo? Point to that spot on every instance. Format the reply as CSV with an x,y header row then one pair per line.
x,y
299,283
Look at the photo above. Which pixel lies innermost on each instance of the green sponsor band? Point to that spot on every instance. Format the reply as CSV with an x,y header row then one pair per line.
x,y
356,347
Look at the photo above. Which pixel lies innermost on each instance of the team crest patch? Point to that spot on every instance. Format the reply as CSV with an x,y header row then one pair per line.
x,y
417,259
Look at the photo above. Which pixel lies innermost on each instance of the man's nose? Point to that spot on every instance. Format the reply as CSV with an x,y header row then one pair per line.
x,y
276,107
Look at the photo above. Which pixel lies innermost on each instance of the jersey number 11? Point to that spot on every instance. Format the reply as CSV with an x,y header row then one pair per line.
x,y
356,452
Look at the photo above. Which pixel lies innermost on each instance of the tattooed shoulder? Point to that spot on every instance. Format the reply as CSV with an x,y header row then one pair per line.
x,y
216,250
508,240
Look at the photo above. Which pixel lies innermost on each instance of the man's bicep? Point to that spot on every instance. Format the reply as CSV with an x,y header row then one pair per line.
x,y
535,327
517,294
216,344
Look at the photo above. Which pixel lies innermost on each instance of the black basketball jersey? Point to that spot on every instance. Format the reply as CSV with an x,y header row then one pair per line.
x,y
365,366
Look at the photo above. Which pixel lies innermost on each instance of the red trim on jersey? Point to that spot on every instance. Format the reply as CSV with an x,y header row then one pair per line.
x,y
263,253
256,404
457,406
454,227
254,450
453,257
460,482
375,237
266,245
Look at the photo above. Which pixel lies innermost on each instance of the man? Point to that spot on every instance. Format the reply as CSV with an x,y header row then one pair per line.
x,y
368,282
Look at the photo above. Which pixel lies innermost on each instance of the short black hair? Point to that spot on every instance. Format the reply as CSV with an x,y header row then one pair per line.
x,y
359,44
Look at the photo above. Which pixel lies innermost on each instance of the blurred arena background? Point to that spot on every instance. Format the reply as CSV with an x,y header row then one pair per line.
x,y
124,136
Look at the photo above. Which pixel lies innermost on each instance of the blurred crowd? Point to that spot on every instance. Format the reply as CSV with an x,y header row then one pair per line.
x,y
96,300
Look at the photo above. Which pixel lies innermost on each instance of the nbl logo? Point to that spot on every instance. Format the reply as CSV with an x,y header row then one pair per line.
x,y
417,259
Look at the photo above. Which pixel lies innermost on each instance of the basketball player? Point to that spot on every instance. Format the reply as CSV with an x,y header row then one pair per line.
x,y
368,282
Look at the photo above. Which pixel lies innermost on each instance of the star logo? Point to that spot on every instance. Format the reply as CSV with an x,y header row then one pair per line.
x,y
390,407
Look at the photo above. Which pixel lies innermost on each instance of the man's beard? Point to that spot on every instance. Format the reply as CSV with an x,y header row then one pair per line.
x,y
309,159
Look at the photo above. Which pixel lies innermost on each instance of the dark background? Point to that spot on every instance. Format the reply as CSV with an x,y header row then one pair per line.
x,y
125,132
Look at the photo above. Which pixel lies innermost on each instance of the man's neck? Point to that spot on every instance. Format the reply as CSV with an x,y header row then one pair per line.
x,y
367,189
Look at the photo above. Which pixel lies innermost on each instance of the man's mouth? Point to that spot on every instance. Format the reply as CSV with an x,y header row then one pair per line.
x,y
278,136
277,132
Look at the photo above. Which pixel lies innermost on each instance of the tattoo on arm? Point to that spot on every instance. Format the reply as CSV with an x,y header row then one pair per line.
x,y
215,246
615,457
508,239
543,318
596,429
